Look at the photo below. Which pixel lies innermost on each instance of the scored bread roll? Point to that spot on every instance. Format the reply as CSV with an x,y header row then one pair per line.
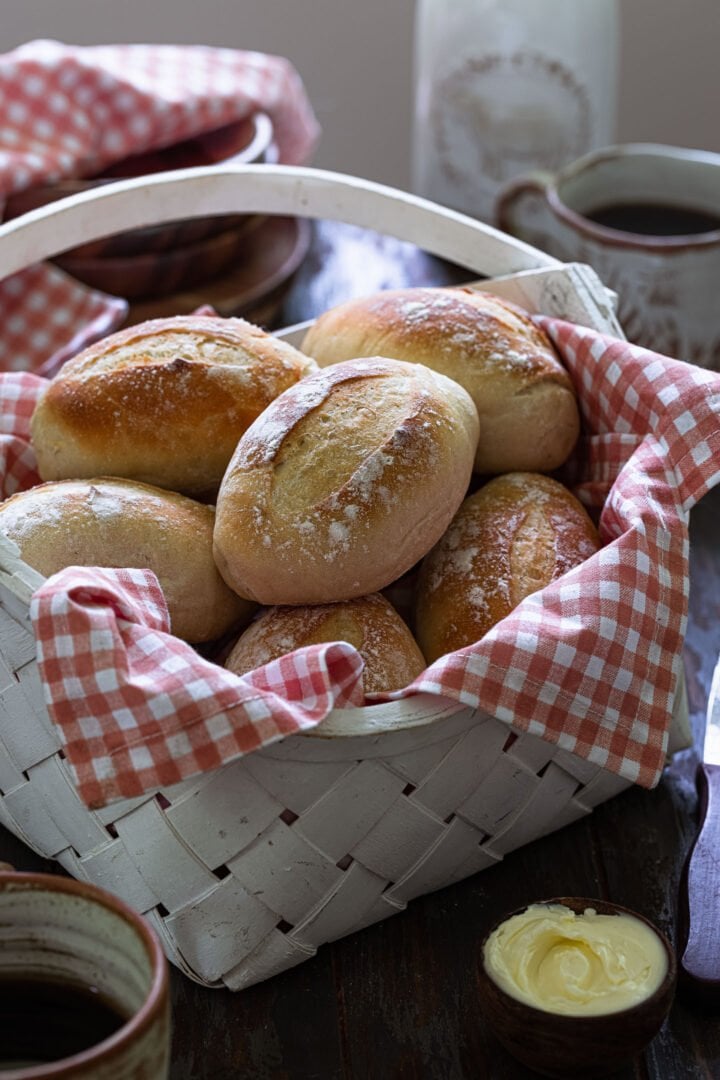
x,y
514,536
526,402
163,402
119,523
344,482
391,654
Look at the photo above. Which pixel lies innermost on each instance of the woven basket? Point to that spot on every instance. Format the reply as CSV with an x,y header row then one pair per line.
x,y
246,870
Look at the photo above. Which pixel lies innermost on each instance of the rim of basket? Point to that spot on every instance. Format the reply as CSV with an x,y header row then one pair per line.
x,y
384,717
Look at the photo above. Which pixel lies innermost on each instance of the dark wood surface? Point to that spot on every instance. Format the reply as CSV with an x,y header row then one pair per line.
x,y
399,1001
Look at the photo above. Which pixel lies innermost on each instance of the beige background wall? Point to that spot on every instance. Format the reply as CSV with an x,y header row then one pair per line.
x,y
355,57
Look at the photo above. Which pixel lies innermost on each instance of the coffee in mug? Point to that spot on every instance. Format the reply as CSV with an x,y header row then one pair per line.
x,y
653,219
646,217
47,1019
83,984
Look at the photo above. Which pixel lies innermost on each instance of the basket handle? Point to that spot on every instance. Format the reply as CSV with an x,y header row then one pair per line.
x,y
269,189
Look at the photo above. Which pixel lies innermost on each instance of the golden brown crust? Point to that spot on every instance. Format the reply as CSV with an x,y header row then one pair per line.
x,y
391,654
344,483
119,523
511,538
525,399
163,402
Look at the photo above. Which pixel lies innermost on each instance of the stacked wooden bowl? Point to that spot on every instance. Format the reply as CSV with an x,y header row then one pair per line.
x,y
229,261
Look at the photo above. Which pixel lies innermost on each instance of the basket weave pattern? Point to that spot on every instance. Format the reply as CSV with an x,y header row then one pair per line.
x,y
246,870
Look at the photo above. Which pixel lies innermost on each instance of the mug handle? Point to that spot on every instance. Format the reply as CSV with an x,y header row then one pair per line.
x,y
509,202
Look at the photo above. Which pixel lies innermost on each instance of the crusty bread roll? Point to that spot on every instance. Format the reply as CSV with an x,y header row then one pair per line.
x,y
344,482
118,523
392,657
163,402
525,399
514,536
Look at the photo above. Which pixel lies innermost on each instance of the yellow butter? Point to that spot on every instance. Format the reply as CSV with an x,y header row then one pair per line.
x,y
587,964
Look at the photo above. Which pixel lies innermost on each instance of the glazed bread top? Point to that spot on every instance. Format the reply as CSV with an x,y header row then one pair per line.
x,y
119,523
526,402
514,536
163,402
344,482
370,623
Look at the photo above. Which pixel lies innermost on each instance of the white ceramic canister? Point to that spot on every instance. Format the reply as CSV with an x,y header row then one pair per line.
x,y
505,86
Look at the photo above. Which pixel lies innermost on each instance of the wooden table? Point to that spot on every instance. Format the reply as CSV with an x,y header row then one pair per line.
x,y
399,1000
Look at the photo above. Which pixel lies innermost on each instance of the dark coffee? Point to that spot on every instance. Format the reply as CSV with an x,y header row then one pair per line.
x,y
45,1021
654,219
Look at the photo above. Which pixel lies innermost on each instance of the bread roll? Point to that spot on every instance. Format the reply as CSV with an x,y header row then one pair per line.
x,y
392,657
118,523
344,482
526,402
514,536
163,402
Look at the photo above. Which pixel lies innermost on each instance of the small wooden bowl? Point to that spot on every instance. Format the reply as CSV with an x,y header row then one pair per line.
x,y
162,273
248,141
561,1046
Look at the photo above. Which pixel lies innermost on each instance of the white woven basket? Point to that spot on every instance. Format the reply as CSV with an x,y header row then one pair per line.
x,y
246,870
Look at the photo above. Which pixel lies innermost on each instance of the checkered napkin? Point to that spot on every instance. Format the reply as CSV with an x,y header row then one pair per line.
x,y
68,111
589,663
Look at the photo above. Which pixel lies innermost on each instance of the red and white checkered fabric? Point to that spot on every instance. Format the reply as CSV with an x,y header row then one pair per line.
x,y
71,111
588,663
141,709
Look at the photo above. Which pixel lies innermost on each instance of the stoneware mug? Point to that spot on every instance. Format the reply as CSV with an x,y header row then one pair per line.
x,y
646,217
83,984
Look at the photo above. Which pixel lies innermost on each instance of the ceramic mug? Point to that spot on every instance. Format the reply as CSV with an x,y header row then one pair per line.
x,y
647,219
83,984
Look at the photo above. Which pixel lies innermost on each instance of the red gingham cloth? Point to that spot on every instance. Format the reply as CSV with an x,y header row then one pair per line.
x,y
589,663
72,111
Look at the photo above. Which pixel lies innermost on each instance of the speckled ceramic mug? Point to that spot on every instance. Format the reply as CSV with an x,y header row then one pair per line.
x,y
661,252
64,942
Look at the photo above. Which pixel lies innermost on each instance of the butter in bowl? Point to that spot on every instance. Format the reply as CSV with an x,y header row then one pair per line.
x,y
576,987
